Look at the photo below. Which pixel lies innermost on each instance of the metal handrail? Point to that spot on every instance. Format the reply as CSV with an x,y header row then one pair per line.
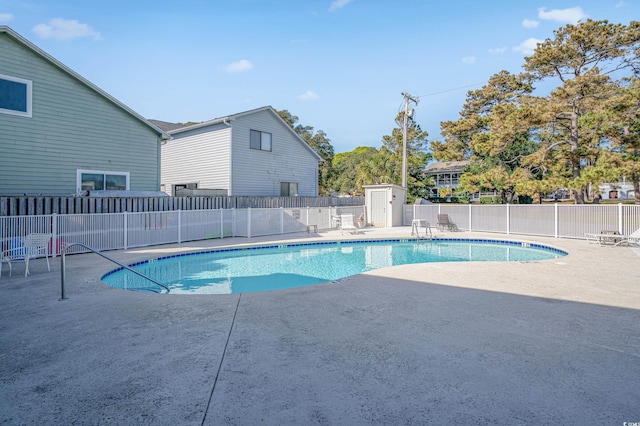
x,y
416,226
63,253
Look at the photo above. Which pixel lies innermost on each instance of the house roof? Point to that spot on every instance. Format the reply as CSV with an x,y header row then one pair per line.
x,y
44,55
229,118
445,167
165,125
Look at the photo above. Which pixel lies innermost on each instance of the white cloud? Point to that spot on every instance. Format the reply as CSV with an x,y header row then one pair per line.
x,y
622,4
469,60
528,23
569,16
528,46
498,50
338,4
309,96
5,17
65,29
239,66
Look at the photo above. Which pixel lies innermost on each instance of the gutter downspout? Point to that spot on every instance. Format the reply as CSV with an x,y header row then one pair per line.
x,y
161,141
227,121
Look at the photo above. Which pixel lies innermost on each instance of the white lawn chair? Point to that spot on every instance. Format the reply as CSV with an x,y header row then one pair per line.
x,y
604,238
631,239
33,246
614,238
37,245
4,258
347,224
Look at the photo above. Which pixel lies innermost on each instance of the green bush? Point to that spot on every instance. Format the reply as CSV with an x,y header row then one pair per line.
x,y
460,199
495,199
455,199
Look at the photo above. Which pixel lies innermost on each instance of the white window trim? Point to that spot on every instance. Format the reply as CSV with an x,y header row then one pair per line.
x,y
261,140
289,188
79,173
29,84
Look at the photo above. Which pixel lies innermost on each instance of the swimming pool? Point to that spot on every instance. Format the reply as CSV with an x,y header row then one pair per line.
x,y
274,267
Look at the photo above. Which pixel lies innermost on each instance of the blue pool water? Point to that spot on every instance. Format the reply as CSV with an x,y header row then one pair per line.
x,y
254,269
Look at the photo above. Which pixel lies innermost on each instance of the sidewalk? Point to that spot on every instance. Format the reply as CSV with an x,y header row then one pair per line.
x,y
553,342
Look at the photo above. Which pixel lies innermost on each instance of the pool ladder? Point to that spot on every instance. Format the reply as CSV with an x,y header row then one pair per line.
x,y
63,271
415,229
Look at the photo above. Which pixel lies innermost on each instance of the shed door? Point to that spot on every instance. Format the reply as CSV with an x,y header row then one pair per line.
x,y
379,208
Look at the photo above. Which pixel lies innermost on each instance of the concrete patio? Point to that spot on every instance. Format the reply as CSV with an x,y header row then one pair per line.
x,y
552,342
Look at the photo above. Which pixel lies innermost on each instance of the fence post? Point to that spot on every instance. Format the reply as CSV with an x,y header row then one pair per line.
x,y
179,226
307,216
508,220
233,221
54,235
221,223
470,215
125,223
414,212
248,222
555,220
281,220
620,224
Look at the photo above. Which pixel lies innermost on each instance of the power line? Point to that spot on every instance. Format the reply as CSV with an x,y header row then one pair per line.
x,y
452,90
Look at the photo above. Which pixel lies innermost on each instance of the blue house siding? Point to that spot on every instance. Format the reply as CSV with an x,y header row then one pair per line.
x,y
72,127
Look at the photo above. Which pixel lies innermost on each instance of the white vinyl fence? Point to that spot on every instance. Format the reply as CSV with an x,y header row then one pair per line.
x,y
112,231
551,220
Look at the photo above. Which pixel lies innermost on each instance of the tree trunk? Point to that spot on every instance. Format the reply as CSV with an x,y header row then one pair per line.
x,y
574,142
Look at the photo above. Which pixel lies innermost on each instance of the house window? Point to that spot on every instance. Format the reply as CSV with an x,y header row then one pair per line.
x,y
94,180
15,96
288,189
260,140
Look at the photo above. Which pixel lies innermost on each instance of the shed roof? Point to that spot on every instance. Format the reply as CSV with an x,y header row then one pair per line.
x,y
18,38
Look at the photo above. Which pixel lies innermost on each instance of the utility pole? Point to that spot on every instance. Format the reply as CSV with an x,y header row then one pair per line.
x,y
407,113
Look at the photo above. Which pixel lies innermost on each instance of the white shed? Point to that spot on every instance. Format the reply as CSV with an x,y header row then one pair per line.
x,y
384,204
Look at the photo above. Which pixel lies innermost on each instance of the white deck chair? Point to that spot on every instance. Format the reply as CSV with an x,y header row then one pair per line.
x,y
4,258
614,238
347,224
603,238
34,246
631,239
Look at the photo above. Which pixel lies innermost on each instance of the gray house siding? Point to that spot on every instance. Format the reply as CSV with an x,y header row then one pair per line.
x,y
72,127
199,156
217,154
257,172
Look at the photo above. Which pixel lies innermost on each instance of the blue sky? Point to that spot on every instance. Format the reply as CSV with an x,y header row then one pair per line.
x,y
340,66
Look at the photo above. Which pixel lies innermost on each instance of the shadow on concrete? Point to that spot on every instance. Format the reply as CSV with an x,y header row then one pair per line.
x,y
369,350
